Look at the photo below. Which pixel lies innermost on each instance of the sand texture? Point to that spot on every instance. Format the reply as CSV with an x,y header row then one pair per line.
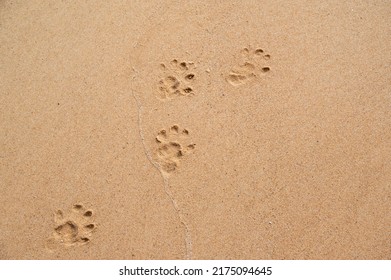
x,y
195,129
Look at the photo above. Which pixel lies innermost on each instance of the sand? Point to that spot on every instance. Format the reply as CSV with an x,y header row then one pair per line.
x,y
195,129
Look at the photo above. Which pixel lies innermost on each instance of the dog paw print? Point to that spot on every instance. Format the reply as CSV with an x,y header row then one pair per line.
x,y
177,81
74,228
254,65
172,146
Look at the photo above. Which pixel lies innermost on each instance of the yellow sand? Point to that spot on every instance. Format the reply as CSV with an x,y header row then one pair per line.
x,y
195,129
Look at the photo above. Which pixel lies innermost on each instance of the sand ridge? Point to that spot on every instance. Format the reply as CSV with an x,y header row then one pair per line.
x,y
172,144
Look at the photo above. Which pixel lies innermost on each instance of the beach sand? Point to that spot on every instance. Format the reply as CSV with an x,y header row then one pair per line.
x,y
195,129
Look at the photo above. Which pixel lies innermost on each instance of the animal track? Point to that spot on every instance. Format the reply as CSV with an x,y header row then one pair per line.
x,y
73,229
172,145
177,81
253,66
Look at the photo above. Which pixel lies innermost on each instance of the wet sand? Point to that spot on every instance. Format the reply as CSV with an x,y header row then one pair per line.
x,y
195,130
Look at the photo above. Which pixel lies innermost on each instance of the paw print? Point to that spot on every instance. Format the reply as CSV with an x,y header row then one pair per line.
x,y
177,81
254,65
73,229
172,147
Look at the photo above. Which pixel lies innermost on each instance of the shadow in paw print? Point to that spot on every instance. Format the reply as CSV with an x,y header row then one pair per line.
x,y
177,80
253,66
72,229
172,146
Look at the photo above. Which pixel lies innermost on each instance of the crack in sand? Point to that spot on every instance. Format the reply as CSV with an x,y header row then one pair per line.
x,y
188,241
